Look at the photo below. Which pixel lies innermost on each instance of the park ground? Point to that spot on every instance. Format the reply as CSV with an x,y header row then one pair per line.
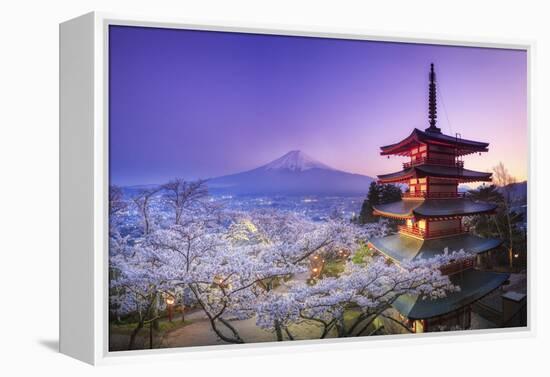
x,y
195,330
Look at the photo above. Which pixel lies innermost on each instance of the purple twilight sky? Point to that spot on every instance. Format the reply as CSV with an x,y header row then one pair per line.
x,y
199,104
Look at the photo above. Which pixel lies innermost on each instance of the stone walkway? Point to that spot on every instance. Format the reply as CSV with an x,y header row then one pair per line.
x,y
200,333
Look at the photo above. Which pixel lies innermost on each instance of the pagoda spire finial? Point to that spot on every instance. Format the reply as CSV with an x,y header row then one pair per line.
x,y
432,105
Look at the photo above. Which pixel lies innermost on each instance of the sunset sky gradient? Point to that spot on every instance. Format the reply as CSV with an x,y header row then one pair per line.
x,y
198,104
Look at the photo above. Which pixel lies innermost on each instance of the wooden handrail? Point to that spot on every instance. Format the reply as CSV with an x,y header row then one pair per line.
x,y
433,195
455,267
432,233
433,161
414,230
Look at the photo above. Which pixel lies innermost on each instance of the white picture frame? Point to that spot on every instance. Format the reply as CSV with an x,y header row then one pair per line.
x,y
84,190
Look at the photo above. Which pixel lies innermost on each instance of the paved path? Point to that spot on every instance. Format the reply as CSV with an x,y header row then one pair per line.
x,y
200,333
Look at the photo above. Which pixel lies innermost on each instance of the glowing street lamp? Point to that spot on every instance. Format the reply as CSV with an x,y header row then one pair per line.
x,y
170,305
314,272
220,281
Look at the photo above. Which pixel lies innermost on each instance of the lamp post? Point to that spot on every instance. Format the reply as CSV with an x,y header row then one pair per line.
x,y
170,306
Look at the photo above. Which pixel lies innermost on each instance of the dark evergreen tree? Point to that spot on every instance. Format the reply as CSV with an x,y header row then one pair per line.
x,y
378,194
366,213
504,223
373,198
389,193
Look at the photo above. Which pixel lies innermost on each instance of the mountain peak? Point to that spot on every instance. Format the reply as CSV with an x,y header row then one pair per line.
x,y
295,160
295,173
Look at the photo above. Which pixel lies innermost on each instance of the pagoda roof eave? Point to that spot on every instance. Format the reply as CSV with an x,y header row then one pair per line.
x,y
474,285
399,176
403,209
453,207
398,148
438,171
418,137
400,247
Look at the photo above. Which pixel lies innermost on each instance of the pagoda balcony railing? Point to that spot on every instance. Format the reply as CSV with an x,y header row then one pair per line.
x,y
433,161
432,233
454,267
435,233
412,230
433,195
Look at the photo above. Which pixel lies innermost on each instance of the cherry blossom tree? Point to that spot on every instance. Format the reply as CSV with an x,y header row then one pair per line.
x,y
117,206
503,179
142,202
369,290
138,281
241,265
182,195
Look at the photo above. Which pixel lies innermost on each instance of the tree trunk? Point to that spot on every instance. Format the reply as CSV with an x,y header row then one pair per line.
x,y
134,335
278,331
237,339
155,314
341,328
510,234
288,333
178,215
151,334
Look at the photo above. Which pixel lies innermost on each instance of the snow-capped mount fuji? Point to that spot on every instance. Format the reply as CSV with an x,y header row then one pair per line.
x,y
295,173
295,161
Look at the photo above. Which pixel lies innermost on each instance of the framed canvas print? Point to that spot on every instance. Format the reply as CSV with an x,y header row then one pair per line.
x,y
223,186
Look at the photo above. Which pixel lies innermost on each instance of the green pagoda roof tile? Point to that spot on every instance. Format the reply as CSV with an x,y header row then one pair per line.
x,y
434,208
401,247
448,207
474,285
400,208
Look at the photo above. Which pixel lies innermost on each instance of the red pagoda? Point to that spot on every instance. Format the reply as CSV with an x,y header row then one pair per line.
x,y
432,211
